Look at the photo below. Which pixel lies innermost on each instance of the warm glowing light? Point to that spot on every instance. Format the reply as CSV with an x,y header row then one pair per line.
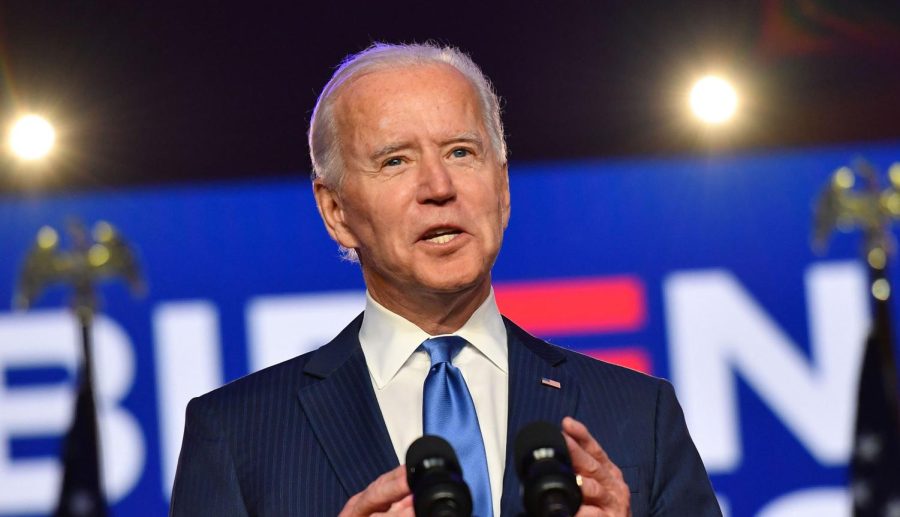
x,y
881,289
844,178
47,237
31,137
713,100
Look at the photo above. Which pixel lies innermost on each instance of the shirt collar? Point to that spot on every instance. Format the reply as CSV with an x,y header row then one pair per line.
x,y
388,340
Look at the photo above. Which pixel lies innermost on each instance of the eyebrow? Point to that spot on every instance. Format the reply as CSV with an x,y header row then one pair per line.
x,y
389,149
470,137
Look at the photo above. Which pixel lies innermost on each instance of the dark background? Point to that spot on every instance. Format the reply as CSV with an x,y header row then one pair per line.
x,y
150,93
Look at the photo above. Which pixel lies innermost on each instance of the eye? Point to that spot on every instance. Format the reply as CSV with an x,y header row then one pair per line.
x,y
393,162
460,152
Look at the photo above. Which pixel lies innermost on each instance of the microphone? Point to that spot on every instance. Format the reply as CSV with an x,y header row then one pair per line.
x,y
545,470
436,479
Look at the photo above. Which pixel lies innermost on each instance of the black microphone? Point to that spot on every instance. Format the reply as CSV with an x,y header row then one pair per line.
x,y
545,470
436,479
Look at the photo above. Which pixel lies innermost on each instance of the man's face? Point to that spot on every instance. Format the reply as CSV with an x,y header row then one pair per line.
x,y
424,198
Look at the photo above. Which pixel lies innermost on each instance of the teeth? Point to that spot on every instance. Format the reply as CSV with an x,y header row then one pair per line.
x,y
443,239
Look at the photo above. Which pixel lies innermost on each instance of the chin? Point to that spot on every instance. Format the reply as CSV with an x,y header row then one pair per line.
x,y
453,281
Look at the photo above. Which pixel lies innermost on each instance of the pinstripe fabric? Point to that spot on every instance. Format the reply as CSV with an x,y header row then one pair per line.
x,y
295,439
635,417
344,414
299,438
529,400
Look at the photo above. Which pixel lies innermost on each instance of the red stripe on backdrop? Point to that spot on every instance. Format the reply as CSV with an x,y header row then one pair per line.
x,y
635,358
574,306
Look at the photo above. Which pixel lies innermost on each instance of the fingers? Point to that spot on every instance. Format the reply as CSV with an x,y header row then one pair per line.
x,y
406,502
588,457
402,508
580,433
590,511
388,493
603,487
596,479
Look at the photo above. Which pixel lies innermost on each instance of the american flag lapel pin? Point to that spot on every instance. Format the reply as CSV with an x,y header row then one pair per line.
x,y
550,382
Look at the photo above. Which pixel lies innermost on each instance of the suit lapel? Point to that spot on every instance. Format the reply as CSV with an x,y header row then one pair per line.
x,y
530,360
344,413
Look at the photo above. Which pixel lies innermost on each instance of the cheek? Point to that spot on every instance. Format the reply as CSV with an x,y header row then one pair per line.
x,y
384,230
369,216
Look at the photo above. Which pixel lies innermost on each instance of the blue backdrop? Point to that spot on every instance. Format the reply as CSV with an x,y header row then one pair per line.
x,y
760,336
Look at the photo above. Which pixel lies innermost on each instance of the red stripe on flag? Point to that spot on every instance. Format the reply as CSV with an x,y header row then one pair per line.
x,y
635,358
574,306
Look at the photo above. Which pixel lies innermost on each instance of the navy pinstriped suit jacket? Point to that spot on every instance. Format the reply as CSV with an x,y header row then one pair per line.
x,y
299,438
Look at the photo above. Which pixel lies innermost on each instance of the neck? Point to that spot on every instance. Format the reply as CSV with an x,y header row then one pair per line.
x,y
435,313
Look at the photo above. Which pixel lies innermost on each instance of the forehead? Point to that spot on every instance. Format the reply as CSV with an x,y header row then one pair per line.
x,y
432,98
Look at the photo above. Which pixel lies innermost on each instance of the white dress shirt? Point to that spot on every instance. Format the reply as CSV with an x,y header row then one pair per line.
x,y
398,367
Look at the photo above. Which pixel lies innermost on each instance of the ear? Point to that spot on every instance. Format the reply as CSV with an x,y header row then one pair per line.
x,y
331,209
504,194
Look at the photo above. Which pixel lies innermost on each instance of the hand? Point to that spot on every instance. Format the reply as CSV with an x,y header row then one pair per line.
x,y
603,488
387,495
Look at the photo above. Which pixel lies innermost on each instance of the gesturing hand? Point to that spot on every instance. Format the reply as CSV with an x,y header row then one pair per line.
x,y
387,495
603,488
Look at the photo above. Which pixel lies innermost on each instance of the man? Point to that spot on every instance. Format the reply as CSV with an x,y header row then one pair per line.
x,y
411,179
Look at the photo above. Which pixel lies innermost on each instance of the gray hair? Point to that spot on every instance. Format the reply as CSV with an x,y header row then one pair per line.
x,y
324,144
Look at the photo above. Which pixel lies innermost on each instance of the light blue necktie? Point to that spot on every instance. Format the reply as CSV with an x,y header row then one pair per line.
x,y
450,413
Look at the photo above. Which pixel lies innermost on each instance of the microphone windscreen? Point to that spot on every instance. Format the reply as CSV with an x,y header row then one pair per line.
x,y
539,435
430,446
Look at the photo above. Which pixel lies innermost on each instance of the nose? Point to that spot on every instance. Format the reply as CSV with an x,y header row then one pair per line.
x,y
435,182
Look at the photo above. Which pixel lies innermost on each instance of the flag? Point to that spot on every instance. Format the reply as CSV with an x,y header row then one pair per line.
x,y
875,465
81,494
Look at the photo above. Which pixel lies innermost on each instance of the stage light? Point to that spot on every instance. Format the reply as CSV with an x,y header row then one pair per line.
x,y
713,100
31,137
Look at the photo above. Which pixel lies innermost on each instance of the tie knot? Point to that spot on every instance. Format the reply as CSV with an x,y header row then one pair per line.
x,y
442,349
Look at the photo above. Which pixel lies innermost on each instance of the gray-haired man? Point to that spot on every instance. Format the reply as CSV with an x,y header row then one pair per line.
x,y
410,177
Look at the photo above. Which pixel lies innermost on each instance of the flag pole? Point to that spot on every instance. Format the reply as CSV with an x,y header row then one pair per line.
x,y
875,462
106,256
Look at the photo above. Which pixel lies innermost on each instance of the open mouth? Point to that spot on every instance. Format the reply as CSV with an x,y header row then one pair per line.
x,y
441,235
